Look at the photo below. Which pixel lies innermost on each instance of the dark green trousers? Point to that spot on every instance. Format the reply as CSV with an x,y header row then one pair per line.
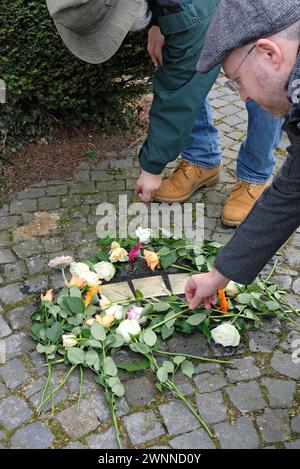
x,y
179,90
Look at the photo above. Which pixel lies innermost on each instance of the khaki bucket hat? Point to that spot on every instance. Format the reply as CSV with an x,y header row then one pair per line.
x,y
93,30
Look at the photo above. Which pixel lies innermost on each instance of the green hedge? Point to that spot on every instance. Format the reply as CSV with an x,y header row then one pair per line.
x,y
44,79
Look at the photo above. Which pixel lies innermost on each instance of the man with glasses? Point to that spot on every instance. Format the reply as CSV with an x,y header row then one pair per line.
x,y
271,76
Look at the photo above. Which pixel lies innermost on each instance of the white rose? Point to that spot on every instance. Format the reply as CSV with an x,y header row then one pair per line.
x,y
144,234
232,289
111,309
226,334
105,270
92,279
117,254
69,340
77,268
128,328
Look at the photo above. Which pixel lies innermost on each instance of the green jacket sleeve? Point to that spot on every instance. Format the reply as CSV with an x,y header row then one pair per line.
x,y
179,90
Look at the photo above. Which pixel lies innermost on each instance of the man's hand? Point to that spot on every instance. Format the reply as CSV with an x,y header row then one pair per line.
x,y
156,42
203,288
146,185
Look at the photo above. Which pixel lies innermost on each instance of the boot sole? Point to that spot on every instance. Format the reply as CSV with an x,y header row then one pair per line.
x,y
209,183
232,224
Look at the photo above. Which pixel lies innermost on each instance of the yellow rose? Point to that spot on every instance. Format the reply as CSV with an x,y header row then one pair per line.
x,y
49,296
76,282
106,320
117,254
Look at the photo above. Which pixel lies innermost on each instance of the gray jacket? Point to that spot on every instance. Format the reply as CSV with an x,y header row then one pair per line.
x,y
273,219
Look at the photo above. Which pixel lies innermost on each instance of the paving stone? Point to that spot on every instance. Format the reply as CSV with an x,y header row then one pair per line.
x,y
75,445
283,281
291,342
33,436
34,387
48,203
207,367
280,392
32,193
177,418
240,435
9,222
293,445
117,291
139,391
274,425
4,239
178,282
87,252
13,373
246,397
57,190
194,440
14,271
27,249
36,285
86,188
195,345
59,396
91,412
20,316
3,390
11,293
142,427
263,342
53,244
211,407
39,362
242,369
150,286
283,364
295,425
97,198
208,382
72,201
37,263
106,440
17,344
293,256
17,207
13,412
82,176
4,328
271,325
6,256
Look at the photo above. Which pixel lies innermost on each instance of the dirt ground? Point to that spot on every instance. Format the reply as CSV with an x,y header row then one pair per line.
x,y
58,157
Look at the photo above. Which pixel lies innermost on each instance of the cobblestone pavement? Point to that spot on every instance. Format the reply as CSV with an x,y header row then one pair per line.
x,y
252,403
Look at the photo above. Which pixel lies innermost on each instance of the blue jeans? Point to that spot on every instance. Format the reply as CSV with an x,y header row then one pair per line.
x,y
256,160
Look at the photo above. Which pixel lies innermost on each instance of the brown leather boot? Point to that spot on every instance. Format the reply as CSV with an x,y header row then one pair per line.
x,y
186,179
240,201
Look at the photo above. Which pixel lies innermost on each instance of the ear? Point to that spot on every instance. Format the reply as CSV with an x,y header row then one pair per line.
x,y
269,51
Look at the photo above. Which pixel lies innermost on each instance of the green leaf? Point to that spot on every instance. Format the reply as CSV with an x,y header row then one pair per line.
x,y
75,305
161,306
75,292
35,331
164,251
138,295
91,357
94,343
75,355
168,260
199,261
244,298
118,389
50,349
113,380
196,319
114,341
170,323
167,332
187,368
150,337
40,348
109,367
272,305
132,367
54,310
162,374
90,311
54,332
169,366
98,331
140,348
178,360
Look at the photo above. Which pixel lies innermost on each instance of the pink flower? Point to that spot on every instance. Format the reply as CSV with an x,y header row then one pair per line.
x,y
60,262
134,253
135,312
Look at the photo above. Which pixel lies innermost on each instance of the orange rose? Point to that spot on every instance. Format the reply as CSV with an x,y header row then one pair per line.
x,y
49,296
75,282
151,259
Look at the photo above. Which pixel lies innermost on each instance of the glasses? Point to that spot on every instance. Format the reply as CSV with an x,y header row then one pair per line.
x,y
232,84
